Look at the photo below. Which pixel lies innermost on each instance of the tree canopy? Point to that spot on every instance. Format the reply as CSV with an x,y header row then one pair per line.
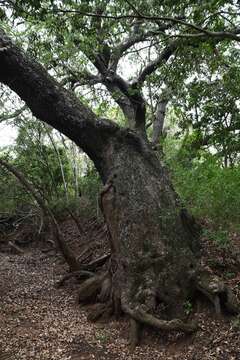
x,y
128,60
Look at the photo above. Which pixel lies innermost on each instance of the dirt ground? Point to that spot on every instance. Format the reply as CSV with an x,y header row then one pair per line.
x,y
38,321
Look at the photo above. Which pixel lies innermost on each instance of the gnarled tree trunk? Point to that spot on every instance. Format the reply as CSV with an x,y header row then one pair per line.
x,y
153,248
154,242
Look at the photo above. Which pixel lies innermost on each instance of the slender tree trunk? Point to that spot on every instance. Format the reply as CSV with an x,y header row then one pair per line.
x,y
158,122
65,250
55,147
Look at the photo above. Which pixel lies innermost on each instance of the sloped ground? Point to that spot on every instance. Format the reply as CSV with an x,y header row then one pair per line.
x,y
39,321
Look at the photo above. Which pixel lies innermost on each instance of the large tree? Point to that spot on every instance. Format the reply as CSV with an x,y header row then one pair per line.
x,y
154,241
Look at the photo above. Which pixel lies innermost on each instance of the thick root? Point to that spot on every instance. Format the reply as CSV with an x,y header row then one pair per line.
x,y
135,334
175,324
218,294
84,255
145,318
89,290
81,274
101,311
105,292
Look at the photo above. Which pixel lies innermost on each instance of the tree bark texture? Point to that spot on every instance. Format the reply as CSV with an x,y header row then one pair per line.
x,y
153,249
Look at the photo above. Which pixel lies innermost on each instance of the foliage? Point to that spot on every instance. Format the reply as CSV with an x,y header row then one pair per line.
x,y
70,39
210,110
55,171
90,184
11,192
188,307
86,204
208,189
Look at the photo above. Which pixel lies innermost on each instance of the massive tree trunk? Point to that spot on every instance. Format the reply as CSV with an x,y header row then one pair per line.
x,y
153,247
153,240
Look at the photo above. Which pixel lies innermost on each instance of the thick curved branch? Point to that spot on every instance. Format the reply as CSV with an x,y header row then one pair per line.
x,y
130,100
134,38
218,35
189,40
51,103
153,65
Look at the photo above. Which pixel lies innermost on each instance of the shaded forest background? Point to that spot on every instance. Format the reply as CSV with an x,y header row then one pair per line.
x,y
207,183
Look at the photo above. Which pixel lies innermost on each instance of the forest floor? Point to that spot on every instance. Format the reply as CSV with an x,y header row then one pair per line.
x,y
40,321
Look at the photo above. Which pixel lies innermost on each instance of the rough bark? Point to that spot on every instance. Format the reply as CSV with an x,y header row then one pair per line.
x,y
153,250
51,103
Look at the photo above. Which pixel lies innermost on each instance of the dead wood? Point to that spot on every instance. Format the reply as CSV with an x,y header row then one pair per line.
x,y
15,249
93,265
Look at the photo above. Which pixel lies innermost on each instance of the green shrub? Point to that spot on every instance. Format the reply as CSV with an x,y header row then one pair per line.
x,y
208,189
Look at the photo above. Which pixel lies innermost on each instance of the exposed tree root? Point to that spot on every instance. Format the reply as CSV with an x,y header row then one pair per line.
x,y
138,316
95,285
135,334
89,290
148,319
101,311
106,288
81,274
101,288
220,295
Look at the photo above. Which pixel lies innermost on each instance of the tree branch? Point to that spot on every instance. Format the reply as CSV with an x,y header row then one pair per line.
x,y
67,253
80,79
219,35
228,33
153,65
190,40
133,39
13,115
51,103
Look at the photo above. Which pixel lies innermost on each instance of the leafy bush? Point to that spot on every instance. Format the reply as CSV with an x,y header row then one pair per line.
x,y
207,188
90,186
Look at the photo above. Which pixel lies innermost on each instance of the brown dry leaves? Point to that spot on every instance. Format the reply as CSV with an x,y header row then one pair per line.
x,y
40,322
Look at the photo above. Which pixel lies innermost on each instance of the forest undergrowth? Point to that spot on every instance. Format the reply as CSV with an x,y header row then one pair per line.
x,y
40,320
